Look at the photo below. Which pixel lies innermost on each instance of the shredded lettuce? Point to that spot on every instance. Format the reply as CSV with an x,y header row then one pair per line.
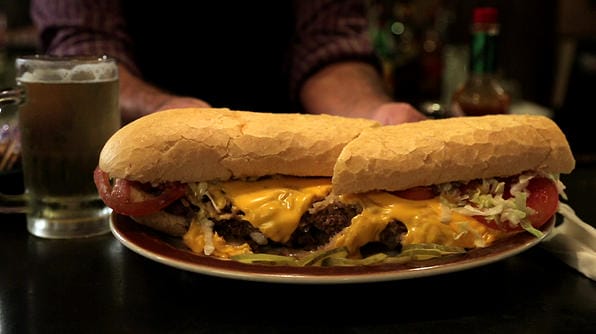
x,y
526,225
487,200
339,256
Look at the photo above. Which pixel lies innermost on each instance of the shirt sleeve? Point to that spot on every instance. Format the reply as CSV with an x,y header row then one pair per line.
x,y
83,27
328,31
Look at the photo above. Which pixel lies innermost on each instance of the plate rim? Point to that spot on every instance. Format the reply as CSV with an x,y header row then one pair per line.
x,y
156,246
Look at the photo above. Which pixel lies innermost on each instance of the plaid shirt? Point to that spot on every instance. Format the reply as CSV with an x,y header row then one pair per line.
x,y
324,31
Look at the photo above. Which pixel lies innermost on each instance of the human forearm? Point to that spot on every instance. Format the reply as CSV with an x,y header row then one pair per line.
x,y
347,88
354,89
138,98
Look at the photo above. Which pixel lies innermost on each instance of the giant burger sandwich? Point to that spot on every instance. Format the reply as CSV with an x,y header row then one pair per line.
x,y
295,189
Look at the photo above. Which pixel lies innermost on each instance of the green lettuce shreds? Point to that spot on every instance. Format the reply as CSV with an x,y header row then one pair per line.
x,y
338,256
487,201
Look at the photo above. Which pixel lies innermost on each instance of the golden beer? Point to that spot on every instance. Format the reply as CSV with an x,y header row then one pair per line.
x,y
70,110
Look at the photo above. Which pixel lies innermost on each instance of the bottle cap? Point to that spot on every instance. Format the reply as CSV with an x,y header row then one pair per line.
x,y
485,15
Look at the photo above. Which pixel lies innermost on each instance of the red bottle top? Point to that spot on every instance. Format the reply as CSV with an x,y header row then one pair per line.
x,y
485,15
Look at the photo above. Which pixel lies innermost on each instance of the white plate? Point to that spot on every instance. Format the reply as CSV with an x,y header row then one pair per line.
x,y
172,252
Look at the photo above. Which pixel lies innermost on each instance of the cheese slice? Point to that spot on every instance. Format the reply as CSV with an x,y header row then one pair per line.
x,y
203,241
427,221
275,205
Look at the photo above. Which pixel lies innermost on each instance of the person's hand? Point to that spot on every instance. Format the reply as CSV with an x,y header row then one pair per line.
x,y
396,113
174,102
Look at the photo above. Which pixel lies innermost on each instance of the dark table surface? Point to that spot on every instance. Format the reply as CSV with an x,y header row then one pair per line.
x,y
97,285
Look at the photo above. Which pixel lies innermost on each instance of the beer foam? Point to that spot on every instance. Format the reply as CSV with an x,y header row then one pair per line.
x,y
96,72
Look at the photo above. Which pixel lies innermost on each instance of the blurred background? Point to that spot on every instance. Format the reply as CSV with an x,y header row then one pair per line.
x,y
546,54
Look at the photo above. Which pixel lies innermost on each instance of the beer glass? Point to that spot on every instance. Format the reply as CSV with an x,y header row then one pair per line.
x,y
70,108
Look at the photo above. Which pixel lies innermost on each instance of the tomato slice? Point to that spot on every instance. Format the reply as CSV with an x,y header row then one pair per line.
x,y
543,198
416,193
118,196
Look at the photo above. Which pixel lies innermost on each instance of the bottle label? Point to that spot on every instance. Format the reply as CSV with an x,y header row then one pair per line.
x,y
483,56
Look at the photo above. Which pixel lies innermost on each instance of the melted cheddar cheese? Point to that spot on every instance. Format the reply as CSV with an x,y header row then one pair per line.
x,y
427,221
275,205
206,242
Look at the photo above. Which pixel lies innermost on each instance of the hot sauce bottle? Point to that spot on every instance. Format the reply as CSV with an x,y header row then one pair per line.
x,y
482,93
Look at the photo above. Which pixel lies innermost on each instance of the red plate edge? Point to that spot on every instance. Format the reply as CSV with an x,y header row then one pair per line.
x,y
171,251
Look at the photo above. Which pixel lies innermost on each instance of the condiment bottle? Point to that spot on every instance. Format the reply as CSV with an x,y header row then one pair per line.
x,y
482,93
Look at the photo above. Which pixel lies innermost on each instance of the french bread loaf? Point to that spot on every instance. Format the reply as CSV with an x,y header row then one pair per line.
x,y
199,144
456,149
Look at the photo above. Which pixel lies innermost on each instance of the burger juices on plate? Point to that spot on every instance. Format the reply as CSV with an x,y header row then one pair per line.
x,y
296,189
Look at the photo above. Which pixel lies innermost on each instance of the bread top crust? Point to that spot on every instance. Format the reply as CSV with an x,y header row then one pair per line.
x,y
199,144
456,149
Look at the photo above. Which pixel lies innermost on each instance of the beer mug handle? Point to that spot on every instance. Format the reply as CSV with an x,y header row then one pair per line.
x,y
11,96
11,203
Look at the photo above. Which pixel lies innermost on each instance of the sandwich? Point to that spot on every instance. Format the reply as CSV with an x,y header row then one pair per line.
x,y
460,183
183,172
297,189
